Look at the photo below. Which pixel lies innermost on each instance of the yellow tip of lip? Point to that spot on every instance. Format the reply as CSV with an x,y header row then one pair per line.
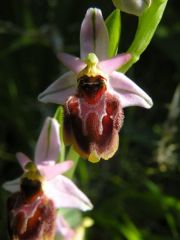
x,y
93,158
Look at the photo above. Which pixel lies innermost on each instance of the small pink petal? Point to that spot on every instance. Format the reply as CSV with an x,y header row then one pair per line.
x,y
22,159
60,90
48,144
94,36
51,171
64,229
129,93
66,194
12,186
71,62
109,65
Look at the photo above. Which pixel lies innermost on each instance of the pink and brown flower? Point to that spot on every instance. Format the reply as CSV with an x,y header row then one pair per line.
x,y
41,190
93,93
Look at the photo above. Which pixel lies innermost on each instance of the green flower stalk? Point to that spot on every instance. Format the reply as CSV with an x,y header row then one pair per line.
x,y
147,25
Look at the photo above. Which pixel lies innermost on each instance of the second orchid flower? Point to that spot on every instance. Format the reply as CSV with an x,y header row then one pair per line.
x,y
93,93
41,190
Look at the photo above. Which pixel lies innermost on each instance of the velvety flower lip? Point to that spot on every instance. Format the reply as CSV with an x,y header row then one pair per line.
x,y
94,39
56,187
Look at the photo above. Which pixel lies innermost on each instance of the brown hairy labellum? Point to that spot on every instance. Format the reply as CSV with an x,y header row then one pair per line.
x,y
93,118
31,215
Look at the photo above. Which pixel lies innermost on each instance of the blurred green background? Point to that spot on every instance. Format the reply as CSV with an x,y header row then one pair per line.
x,y
136,195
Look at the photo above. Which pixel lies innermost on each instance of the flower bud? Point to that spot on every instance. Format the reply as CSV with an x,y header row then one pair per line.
x,y
135,7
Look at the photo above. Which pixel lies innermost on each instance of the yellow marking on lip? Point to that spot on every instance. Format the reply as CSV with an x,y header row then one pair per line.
x,y
31,172
91,70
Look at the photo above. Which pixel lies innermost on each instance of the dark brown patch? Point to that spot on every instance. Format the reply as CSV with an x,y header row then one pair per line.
x,y
91,88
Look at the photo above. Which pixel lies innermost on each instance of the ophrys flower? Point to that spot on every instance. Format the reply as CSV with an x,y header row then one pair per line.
x,y
42,189
93,93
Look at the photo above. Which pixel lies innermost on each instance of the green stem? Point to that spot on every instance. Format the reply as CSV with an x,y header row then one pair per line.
x,y
147,25
72,155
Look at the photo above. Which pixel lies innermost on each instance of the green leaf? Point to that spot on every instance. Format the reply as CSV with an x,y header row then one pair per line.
x,y
74,156
172,225
147,25
129,230
59,116
113,23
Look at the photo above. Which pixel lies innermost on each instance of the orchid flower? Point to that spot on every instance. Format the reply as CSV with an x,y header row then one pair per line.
x,y
42,189
93,93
